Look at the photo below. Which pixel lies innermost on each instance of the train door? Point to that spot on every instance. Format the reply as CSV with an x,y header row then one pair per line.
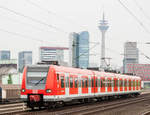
x,y
109,85
129,84
115,84
133,84
61,84
102,84
84,84
121,84
125,84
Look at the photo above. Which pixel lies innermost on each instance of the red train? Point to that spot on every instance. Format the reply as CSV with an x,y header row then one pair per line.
x,y
48,85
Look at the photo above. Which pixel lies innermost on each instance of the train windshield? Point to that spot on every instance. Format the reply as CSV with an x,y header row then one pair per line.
x,y
36,77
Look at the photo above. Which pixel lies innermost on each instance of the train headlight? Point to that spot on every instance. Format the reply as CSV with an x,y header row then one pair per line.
x,y
23,90
48,91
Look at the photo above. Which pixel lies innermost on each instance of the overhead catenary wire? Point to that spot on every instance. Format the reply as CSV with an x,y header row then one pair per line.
x,y
31,25
134,16
24,36
141,24
56,15
141,9
85,53
32,19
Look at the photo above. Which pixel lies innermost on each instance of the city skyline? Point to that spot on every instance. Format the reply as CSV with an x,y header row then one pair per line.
x,y
74,19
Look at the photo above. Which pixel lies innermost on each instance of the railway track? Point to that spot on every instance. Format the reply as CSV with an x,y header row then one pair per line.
x,y
12,108
87,108
93,109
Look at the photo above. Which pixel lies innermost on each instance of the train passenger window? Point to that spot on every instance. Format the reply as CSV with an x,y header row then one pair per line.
x,y
92,82
71,82
76,82
86,82
62,81
102,83
96,82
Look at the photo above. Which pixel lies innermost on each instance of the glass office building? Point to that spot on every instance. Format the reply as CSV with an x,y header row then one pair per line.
x,y
79,49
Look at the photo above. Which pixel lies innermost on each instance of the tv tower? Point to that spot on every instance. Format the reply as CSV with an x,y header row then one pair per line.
x,y
103,27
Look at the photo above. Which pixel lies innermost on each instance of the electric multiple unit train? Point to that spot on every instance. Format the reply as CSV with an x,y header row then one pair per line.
x,y
47,85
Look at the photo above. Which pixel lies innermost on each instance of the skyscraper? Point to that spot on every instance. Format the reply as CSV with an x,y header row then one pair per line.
x,y
103,27
24,58
83,60
131,55
79,49
4,55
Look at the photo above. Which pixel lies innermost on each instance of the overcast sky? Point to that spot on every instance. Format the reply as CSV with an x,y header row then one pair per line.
x,y
53,20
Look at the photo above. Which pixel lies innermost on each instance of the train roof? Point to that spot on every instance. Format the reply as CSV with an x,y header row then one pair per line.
x,y
83,71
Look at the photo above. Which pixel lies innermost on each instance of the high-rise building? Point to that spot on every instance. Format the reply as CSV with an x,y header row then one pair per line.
x,y
24,58
131,55
49,54
79,49
103,28
4,55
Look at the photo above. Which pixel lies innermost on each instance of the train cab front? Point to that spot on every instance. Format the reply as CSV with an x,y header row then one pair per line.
x,y
33,85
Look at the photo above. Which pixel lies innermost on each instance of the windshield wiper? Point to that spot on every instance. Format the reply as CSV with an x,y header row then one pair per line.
x,y
40,81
